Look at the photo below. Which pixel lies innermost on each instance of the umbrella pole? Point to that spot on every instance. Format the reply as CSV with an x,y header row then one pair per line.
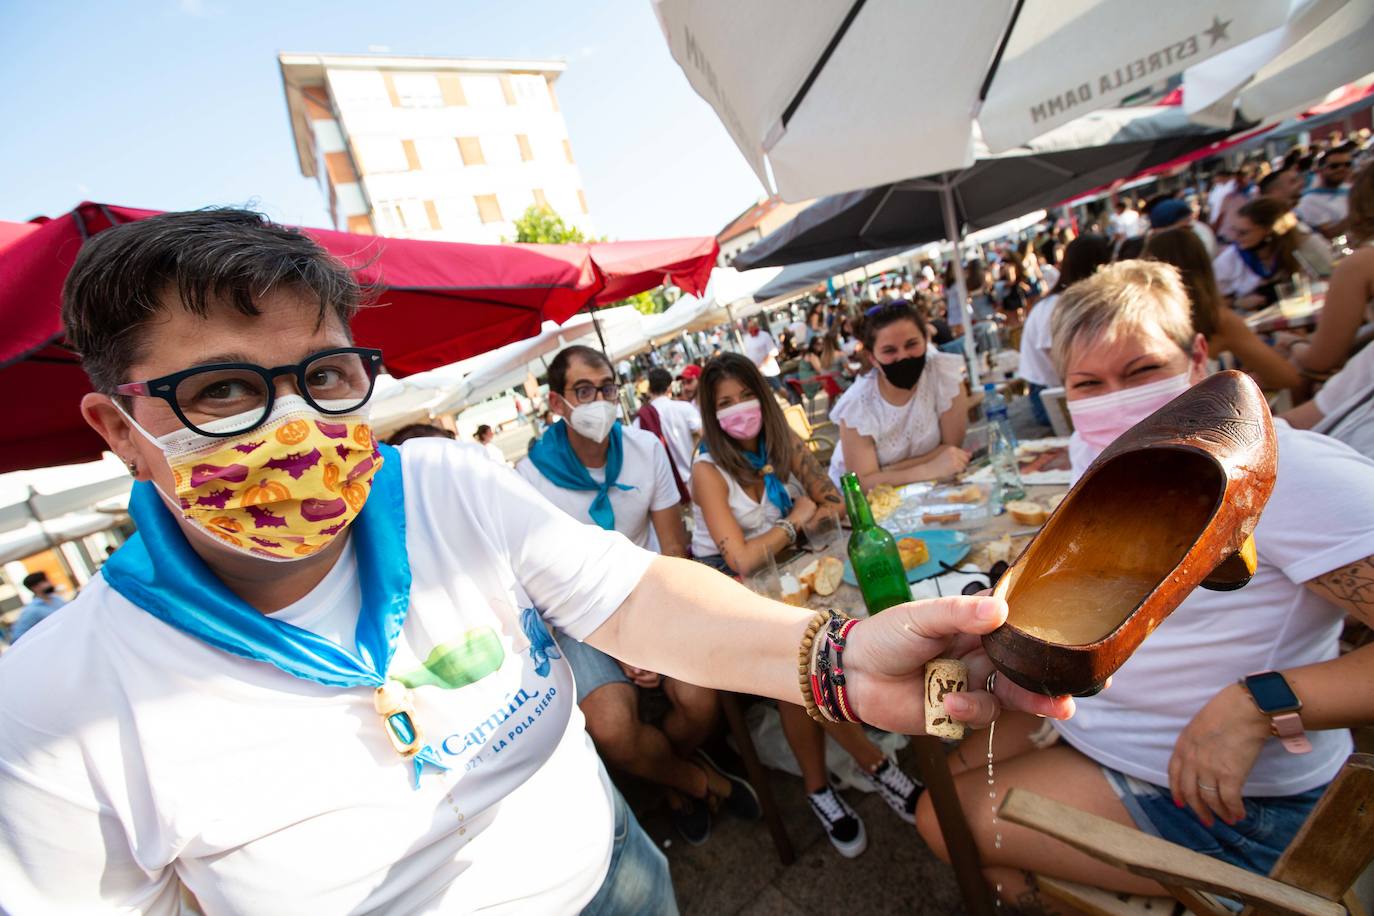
x,y
960,284
601,339
734,327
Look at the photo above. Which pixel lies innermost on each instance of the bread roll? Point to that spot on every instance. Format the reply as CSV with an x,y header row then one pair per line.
x,y
1025,512
795,592
969,494
829,574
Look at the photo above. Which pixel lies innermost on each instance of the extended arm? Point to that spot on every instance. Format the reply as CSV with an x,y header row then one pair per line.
x,y
740,554
1352,286
1260,359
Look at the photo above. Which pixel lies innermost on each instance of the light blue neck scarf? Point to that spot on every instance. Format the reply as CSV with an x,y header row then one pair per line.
x,y
159,572
553,455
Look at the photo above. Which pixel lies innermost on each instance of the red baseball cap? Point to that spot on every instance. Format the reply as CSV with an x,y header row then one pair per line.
x,y
691,371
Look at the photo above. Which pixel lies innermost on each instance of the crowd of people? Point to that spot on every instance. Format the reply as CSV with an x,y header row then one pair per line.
x,y
266,674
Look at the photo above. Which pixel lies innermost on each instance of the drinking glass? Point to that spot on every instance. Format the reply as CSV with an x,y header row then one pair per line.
x,y
764,579
822,532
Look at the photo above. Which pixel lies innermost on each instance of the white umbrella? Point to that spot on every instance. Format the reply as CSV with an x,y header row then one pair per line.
x,y
726,287
1326,44
836,97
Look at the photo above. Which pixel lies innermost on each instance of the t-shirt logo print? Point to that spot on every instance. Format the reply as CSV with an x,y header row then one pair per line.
x,y
458,662
542,646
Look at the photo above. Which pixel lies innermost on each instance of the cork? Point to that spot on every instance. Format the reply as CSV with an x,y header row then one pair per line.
x,y
943,676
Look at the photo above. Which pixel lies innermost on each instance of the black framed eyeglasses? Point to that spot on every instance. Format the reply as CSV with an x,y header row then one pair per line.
x,y
586,392
227,399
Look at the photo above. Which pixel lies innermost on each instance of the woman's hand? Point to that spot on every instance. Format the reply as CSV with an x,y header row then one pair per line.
x,y
1214,754
646,679
947,461
885,661
802,511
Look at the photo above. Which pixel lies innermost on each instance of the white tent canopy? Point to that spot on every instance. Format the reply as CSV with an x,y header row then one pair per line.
x,y
1324,45
840,102
727,287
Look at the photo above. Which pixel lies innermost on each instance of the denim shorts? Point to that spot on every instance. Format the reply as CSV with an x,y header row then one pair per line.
x,y
591,667
638,880
1254,843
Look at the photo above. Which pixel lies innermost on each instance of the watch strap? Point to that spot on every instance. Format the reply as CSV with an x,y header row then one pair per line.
x,y
1288,728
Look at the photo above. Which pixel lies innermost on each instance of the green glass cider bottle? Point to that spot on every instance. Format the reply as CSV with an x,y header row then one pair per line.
x,y
873,553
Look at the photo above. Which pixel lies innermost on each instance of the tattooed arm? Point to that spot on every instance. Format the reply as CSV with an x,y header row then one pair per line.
x,y
814,480
710,491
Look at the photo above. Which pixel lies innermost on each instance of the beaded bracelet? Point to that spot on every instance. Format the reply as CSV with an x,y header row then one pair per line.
x,y
822,680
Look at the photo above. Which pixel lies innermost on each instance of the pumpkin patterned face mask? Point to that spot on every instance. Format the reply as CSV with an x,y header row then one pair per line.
x,y
281,491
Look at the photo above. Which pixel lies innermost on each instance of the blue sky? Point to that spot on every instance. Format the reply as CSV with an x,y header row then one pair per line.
x,y
172,104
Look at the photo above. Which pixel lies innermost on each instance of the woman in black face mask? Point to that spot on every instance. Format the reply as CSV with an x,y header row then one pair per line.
x,y
905,420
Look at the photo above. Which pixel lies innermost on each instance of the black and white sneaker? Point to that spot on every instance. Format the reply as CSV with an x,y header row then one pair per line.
x,y
743,801
899,790
692,819
841,823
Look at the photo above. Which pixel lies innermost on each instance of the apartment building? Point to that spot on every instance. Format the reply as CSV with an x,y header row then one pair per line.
x,y
433,147
750,227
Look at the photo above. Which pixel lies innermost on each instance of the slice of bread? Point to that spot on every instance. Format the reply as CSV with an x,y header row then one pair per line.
x,y
1025,512
829,573
941,518
795,592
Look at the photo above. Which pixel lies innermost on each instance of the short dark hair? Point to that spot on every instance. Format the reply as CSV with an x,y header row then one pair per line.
x,y
208,257
888,314
660,380
1269,180
558,369
1082,257
483,430
418,431
35,579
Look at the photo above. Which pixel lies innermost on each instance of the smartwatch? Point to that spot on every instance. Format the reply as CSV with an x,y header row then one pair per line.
x,y
1270,692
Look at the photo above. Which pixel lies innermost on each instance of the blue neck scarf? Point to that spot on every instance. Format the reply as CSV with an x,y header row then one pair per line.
x,y
158,571
1257,267
773,487
553,455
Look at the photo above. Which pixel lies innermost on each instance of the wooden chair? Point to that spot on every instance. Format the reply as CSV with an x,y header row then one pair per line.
x,y
820,445
1313,876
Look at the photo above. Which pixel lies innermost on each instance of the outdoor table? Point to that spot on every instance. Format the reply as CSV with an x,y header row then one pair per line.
x,y
932,760
1287,315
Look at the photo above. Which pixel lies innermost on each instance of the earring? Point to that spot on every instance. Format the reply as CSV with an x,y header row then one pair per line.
x,y
132,466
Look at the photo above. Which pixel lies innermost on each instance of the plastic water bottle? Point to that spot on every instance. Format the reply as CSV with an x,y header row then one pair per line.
x,y
1002,448
995,411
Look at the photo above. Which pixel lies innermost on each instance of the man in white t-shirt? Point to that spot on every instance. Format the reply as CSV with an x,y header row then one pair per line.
x,y
644,499
1223,183
1325,206
1125,223
678,421
1343,408
320,677
485,437
762,349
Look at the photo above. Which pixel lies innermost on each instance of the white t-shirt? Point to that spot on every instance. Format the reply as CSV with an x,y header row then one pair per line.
x,y
680,421
1035,365
1322,206
899,432
1127,224
494,453
1234,278
1319,518
1217,196
1208,237
760,348
1347,403
133,756
800,332
645,468
755,518
1050,274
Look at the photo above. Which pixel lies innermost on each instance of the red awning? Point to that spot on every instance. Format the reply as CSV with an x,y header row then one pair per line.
x,y
439,302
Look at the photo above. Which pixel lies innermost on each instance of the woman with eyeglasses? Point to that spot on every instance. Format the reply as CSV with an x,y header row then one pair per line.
x,y
754,487
320,678
906,421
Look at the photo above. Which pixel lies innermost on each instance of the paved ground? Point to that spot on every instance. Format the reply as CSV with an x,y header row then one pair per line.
x,y
737,870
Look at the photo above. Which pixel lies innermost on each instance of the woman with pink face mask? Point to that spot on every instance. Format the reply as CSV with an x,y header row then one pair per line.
x,y
1226,725
754,485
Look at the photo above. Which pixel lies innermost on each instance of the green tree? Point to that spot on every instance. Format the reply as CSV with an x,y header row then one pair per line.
x,y
541,226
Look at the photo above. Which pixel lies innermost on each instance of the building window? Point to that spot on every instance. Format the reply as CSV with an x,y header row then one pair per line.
x,y
412,157
340,168
540,200
470,148
582,200
530,91
438,154
567,150
360,225
526,151
359,89
432,214
488,208
377,155
483,90
417,90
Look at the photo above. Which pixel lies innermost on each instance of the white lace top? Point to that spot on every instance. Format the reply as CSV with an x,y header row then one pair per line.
x,y
899,432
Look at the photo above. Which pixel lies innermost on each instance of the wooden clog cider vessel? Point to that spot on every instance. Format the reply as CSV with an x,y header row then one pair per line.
x,y
1168,506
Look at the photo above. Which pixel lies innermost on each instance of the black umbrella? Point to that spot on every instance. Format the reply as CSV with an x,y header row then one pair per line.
x,y
801,276
1077,158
